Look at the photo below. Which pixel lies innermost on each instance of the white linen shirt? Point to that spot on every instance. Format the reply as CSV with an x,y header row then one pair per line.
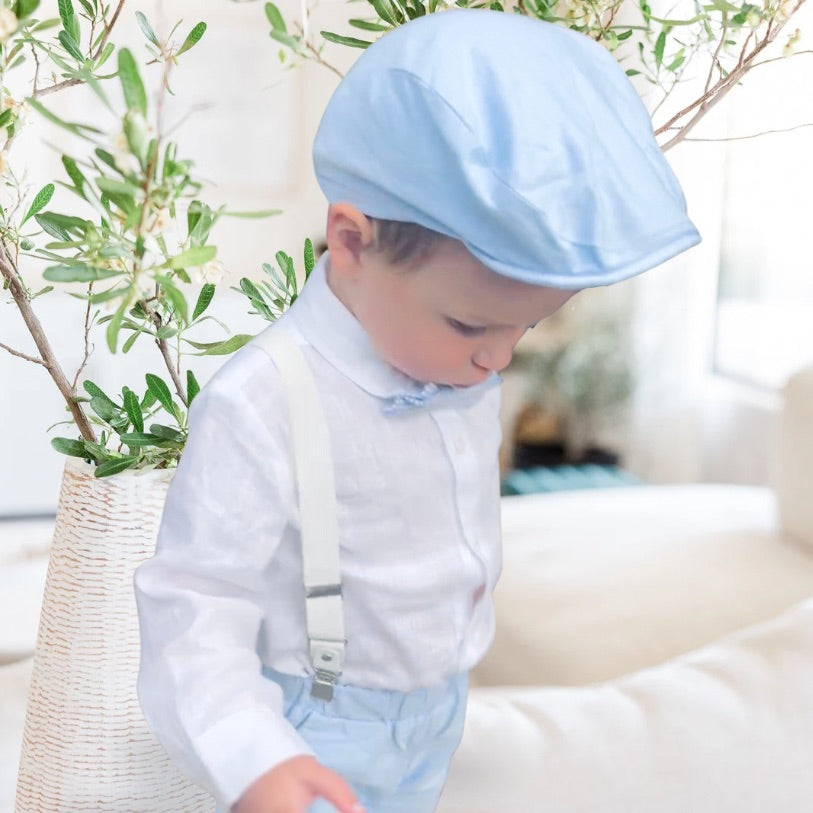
x,y
418,516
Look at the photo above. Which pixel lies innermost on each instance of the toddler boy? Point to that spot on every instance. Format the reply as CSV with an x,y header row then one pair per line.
x,y
330,543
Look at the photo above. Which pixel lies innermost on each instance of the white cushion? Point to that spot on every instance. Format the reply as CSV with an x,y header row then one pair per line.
x,y
727,729
601,582
23,567
794,458
14,680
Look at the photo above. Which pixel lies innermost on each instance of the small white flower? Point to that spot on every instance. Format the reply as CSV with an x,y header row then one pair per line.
x,y
8,23
122,156
753,18
158,222
793,39
21,110
783,11
211,272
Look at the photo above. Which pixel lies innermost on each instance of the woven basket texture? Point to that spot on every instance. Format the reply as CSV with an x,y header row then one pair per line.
x,y
86,747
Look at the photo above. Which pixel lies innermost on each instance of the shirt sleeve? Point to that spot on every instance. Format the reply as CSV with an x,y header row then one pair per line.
x,y
200,598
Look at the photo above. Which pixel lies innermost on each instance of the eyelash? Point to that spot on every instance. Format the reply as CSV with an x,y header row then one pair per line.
x,y
464,329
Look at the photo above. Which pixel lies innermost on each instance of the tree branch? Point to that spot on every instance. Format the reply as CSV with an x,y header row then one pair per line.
x,y
47,357
22,355
722,87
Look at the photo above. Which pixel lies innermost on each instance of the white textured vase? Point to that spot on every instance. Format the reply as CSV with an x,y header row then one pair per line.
x,y
86,747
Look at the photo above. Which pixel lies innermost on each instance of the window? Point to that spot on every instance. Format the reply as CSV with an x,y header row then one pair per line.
x,y
764,319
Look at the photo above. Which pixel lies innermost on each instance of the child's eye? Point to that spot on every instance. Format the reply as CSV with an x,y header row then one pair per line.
x,y
463,329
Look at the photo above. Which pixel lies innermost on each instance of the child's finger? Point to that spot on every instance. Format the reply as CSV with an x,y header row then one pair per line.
x,y
331,786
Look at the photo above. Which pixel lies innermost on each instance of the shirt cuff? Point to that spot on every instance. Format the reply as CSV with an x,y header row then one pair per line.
x,y
241,748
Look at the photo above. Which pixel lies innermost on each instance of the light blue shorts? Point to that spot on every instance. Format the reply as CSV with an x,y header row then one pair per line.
x,y
393,748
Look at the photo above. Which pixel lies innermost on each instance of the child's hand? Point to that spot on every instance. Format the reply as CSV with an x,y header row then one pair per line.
x,y
293,785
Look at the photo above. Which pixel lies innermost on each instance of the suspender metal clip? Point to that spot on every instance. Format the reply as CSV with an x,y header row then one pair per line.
x,y
326,657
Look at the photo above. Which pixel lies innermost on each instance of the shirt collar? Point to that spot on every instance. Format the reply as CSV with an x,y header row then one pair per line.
x,y
326,324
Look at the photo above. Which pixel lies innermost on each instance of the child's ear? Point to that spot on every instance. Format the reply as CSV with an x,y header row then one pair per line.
x,y
349,232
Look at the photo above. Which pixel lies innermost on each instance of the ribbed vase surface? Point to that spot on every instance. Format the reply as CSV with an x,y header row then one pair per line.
x,y
86,747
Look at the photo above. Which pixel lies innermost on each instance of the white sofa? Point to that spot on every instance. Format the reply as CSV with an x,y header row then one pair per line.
x,y
654,649
653,652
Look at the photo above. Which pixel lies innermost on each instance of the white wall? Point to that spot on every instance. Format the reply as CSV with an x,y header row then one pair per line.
x,y
248,122
250,130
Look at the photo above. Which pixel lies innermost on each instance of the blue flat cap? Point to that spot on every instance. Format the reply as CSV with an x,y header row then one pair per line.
x,y
522,139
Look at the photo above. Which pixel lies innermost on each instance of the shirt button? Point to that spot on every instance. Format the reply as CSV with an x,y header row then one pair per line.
x,y
460,445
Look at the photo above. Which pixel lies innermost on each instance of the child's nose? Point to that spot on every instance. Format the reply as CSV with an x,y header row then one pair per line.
x,y
494,355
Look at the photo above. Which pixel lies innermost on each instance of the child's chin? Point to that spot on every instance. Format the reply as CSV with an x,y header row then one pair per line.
x,y
472,382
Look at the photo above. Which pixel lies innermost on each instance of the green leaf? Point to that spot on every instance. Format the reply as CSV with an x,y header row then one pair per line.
x,y
41,200
257,213
113,328
119,192
105,54
100,402
80,130
97,392
105,296
51,22
199,220
139,439
721,5
192,257
286,264
133,410
275,17
177,299
158,388
5,117
74,173
61,226
352,42
366,25
135,96
309,258
70,45
166,332
130,341
106,158
204,300
192,38
69,21
52,229
106,410
660,44
192,387
137,135
24,8
88,8
69,446
288,40
147,29
115,465
78,273
679,59
194,214
385,11
167,432
221,348
256,298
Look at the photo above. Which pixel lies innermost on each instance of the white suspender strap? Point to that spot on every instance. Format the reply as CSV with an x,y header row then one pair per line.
x,y
317,508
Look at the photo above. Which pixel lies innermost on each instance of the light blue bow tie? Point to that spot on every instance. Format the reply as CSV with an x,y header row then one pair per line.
x,y
404,401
